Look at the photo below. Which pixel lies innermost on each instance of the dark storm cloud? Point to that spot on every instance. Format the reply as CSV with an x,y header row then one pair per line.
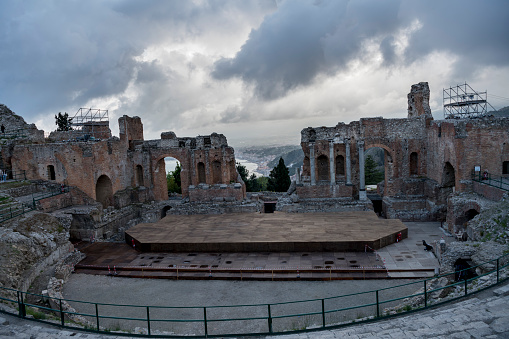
x,y
304,39
63,53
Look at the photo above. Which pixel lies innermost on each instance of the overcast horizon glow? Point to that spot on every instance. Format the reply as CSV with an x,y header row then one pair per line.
x,y
256,71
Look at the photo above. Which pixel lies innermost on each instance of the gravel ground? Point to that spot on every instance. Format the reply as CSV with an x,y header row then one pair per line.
x,y
129,291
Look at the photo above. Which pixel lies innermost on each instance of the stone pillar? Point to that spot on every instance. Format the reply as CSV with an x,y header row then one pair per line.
x,y
312,163
362,186
332,163
297,177
348,164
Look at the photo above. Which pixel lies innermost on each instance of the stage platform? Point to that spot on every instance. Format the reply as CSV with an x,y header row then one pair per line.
x,y
267,232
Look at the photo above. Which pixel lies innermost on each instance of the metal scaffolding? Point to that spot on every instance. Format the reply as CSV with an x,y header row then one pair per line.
x,y
91,122
463,101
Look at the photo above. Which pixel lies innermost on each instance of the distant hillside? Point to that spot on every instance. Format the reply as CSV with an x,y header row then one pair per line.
x,y
503,112
293,159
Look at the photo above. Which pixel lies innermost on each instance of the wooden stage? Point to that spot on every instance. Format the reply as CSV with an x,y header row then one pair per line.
x,y
267,232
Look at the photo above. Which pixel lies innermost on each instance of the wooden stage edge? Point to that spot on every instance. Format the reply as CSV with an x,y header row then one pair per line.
x,y
270,232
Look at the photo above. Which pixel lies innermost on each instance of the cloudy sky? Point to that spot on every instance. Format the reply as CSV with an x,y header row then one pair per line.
x,y
256,71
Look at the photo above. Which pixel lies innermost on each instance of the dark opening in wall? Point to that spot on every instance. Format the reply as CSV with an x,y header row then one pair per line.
x,y
414,163
269,206
505,167
340,165
51,172
323,167
206,141
201,173
463,270
216,172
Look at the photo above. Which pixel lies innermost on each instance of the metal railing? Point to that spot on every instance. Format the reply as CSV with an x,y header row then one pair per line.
x,y
253,319
43,195
14,209
495,181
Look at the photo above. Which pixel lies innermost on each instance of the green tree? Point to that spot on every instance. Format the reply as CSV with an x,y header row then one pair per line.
x,y
279,178
250,181
63,122
372,175
173,180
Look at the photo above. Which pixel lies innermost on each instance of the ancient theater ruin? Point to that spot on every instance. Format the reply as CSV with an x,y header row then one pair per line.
x,y
102,187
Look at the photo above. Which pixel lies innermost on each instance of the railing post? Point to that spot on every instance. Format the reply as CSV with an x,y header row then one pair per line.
x,y
148,320
10,209
377,305
21,305
425,295
62,320
466,283
205,321
97,316
498,270
323,313
269,319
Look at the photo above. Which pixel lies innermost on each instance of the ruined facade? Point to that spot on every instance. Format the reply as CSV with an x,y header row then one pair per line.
x,y
105,168
425,160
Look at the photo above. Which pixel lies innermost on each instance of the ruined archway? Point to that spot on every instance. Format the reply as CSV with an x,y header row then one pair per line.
x,y
340,165
202,177
104,191
216,172
322,168
414,163
448,176
139,176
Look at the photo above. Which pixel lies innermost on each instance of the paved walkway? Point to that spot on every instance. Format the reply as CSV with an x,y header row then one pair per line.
x,y
484,315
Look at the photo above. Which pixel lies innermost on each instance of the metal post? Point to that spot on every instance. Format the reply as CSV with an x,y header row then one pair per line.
x,y
205,321
97,317
498,270
377,305
425,295
269,318
323,313
148,320
466,282
61,313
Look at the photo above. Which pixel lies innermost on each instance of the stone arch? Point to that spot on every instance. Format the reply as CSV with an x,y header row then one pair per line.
x,y
414,163
448,175
104,191
340,165
202,177
158,174
51,172
322,168
217,177
139,176
389,165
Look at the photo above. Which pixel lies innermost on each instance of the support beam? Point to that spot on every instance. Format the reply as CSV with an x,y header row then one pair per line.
x,y
312,163
362,186
332,163
348,164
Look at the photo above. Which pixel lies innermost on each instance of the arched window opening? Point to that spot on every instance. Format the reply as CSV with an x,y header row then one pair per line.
x,y
202,178
340,165
216,172
323,168
139,176
470,214
104,191
173,169
51,172
414,163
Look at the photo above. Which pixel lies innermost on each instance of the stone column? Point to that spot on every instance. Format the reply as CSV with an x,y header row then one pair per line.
x,y
297,177
362,186
312,163
348,163
332,163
